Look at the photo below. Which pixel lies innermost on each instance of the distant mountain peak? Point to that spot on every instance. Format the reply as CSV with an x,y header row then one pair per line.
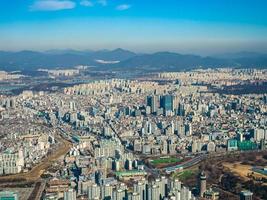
x,y
120,50
120,59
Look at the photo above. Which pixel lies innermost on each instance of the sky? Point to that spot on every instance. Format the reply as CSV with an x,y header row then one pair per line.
x,y
202,27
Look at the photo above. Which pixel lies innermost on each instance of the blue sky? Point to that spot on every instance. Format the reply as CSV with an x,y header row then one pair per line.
x,y
186,26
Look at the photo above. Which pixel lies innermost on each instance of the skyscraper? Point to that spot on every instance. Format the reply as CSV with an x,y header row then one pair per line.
x,y
152,102
166,102
181,110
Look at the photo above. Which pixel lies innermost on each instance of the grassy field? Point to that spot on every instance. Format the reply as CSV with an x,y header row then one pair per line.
x,y
165,161
186,174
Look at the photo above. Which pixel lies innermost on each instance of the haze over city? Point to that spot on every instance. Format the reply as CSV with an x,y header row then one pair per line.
x,y
203,27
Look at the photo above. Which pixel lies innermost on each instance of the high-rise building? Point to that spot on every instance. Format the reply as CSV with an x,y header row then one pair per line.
x,y
211,147
152,102
70,195
129,164
194,146
262,146
7,195
202,183
163,186
166,102
265,99
232,145
136,196
140,188
153,192
246,195
11,163
181,110
188,129
106,191
212,194
93,191
258,134
72,106
119,194
175,185
185,194
177,194
240,137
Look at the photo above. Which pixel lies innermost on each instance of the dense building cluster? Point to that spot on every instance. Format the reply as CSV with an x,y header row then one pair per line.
x,y
118,127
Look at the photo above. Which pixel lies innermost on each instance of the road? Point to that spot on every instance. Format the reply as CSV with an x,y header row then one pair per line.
x,y
186,164
37,191
198,159
113,129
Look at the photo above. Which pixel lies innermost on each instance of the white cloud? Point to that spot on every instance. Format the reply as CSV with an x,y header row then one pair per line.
x,y
52,5
102,2
123,7
86,3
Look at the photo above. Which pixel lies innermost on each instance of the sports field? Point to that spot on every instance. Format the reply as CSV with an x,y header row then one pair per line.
x,y
165,161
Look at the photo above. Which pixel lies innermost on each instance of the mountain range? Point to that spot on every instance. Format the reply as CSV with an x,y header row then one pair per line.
x,y
120,59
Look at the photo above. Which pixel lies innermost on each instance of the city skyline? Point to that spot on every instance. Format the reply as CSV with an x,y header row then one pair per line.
x,y
77,134
133,99
204,28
